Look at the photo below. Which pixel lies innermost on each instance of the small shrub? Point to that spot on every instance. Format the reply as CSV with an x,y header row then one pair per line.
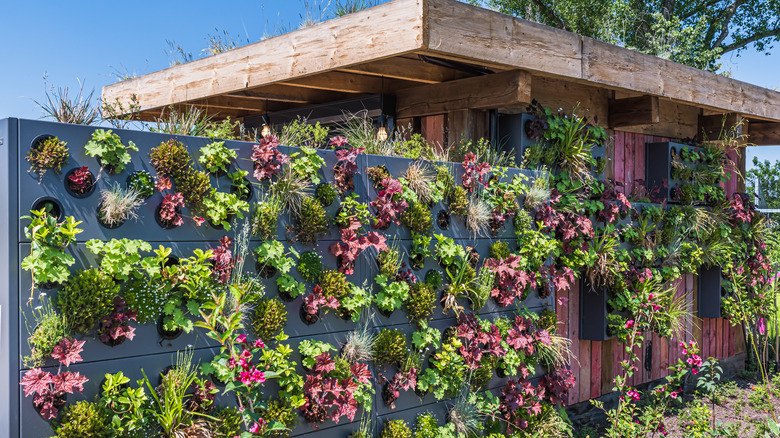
x,y
269,318
215,157
426,426
377,174
396,429
265,217
758,400
695,420
459,201
109,148
142,183
499,250
326,194
49,153
418,218
310,266
389,347
229,423
312,221
146,297
434,278
50,328
279,410
334,284
421,303
86,297
195,186
83,420
170,159
389,261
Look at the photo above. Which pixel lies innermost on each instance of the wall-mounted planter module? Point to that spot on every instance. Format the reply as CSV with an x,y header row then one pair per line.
x,y
594,312
154,349
710,292
675,171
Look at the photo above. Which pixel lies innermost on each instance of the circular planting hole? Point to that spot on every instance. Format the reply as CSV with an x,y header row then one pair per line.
x,y
443,220
307,317
51,205
250,191
164,224
166,334
102,221
80,182
265,270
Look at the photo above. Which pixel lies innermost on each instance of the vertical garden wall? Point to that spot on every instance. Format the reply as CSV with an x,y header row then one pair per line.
x,y
151,348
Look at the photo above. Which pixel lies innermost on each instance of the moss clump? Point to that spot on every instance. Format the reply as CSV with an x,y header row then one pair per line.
x,y
421,303
264,219
278,410
326,194
87,297
312,221
269,318
396,429
83,420
334,284
389,347
548,320
310,266
49,153
459,200
499,250
426,426
142,183
417,218
433,278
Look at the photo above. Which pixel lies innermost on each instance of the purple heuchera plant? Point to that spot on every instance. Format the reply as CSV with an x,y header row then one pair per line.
x,y
48,390
116,326
224,262
352,245
345,168
388,210
511,281
327,395
267,158
475,172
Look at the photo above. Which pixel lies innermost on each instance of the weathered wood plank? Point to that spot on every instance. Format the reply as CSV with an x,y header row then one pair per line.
x,y
467,124
639,160
739,345
595,369
406,69
434,129
717,126
607,366
664,357
719,338
585,366
713,339
632,111
655,373
620,156
574,335
351,83
501,89
764,134
558,94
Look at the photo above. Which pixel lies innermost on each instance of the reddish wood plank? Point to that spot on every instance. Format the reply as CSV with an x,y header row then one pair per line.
x,y
574,335
636,379
620,155
639,159
719,341
713,337
562,312
705,337
616,359
607,364
595,369
732,341
663,352
585,366
655,373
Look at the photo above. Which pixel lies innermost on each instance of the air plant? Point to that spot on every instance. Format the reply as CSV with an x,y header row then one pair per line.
x,y
118,205
539,193
420,179
478,214
290,190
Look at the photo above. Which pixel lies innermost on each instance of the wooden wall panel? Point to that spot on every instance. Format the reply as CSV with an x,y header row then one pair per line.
x,y
585,366
574,335
595,369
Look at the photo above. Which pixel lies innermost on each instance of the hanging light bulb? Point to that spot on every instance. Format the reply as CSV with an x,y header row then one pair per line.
x,y
266,130
381,132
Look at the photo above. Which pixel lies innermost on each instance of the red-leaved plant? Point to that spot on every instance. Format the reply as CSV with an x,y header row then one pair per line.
x,y
511,281
169,209
330,393
224,262
48,390
267,158
521,401
474,172
352,245
315,300
345,168
388,206
406,381
476,341
80,180
115,328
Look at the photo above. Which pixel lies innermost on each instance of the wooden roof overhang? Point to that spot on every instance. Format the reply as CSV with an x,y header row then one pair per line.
x,y
389,48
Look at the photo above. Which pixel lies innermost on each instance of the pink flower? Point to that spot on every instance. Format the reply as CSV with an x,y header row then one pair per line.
x,y
163,183
761,326
245,377
338,141
650,297
258,376
198,220
259,344
685,351
255,428
629,324
674,394
695,371
633,394
241,339
682,344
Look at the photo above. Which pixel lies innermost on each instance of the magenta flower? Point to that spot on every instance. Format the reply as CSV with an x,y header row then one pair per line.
x,y
674,394
629,324
259,344
241,339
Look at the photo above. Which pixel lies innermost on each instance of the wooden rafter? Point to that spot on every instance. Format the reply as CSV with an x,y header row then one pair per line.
x,y
350,83
407,69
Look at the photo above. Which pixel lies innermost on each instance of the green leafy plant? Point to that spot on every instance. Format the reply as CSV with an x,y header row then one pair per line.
x,y
306,164
48,153
420,250
418,218
81,420
326,194
86,297
48,261
458,200
239,185
353,304
389,260
391,295
311,349
352,213
220,206
421,302
396,429
311,221
215,157
265,217
389,347
170,159
269,318
50,328
124,405
299,133
109,149
310,265
142,183
121,258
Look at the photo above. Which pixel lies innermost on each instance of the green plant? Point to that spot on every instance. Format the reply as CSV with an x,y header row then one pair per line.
x,y
326,194
478,214
170,159
142,183
225,129
124,405
120,258
298,133
168,401
220,206
228,423
306,164
426,338
291,191
448,251
109,149
334,284
215,157
269,318
83,420
499,250
118,205
265,217
434,278
187,120
238,184
426,426
310,350
482,288
421,302
359,346
279,411
86,297
418,218
196,187
352,213
48,261
396,429
459,200
354,303
79,110
311,221
310,265
392,294
48,153
389,347
389,260
50,328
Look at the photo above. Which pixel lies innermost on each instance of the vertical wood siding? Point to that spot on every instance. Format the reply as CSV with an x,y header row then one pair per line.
x,y
598,363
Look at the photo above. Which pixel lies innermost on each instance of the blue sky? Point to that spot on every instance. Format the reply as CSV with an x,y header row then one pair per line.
x,y
92,40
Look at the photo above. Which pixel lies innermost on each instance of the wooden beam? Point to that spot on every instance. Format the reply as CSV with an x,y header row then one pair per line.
x,y
571,96
718,126
382,31
350,83
480,92
407,69
632,111
291,94
764,134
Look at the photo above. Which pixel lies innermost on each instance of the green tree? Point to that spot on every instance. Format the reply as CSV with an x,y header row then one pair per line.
x,y
692,32
764,180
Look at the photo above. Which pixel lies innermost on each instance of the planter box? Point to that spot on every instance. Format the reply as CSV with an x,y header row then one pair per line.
x,y
658,169
710,292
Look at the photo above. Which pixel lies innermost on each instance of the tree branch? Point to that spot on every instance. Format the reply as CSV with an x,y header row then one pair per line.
x,y
700,8
550,14
759,36
724,29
